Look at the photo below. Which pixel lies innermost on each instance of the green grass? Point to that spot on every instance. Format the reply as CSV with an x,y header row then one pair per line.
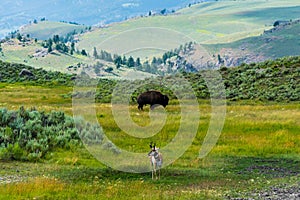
x,y
259,148
273,45
44,30
55,61
206,23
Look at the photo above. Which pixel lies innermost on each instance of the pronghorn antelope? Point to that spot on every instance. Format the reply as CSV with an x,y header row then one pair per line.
x,y
156,160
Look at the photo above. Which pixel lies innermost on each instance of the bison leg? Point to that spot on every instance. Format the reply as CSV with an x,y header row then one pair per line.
x,y
140,107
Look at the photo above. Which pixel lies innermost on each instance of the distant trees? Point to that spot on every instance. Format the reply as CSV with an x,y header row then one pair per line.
x,y
95,53
83,52
267,81
163,11
19,37
56,39
49,49
59,45
118,61
130,62
103,55
138,62
72,48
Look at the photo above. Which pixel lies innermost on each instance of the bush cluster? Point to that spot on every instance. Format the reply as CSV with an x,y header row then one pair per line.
x,y
30,134
10,73
277,80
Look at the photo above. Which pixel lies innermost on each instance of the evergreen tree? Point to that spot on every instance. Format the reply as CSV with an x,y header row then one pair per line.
x,y
165,57
124,61
95,53
83,52
19,37
65,48
154,61
49,48
138,62
49,43
146,66
58,47
118,61
56,39
130,62
109,57
72,46
163,11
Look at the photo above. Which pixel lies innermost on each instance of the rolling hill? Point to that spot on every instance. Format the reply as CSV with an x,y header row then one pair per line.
x,y
206,23
14,14
232,32
280,41
44,30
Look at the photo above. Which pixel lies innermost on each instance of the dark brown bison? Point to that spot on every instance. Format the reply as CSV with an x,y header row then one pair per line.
x,y
152,98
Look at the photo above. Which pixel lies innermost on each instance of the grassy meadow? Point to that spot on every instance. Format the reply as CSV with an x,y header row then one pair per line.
x,y
259,147
219,24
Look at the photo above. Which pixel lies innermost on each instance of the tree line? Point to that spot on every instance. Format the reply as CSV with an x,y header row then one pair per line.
x,y
276,80
157,65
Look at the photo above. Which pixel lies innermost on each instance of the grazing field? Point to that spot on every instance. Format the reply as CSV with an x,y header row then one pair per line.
x,y
259,148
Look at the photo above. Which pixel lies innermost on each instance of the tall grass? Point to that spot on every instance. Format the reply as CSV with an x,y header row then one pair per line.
x,y
259,147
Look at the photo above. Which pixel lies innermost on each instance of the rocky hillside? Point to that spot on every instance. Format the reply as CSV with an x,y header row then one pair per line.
x,y
280,41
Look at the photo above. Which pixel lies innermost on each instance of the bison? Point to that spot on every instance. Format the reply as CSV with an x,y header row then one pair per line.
x,y
153,98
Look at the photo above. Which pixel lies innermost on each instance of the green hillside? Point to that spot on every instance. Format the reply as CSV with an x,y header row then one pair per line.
x,y
34,54
280,41
231,31
210,22
44,30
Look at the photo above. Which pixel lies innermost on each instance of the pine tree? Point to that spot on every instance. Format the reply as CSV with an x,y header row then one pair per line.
x,y
130,62
56,39
95,53
138,62
83,52
118,61
72,47
124,61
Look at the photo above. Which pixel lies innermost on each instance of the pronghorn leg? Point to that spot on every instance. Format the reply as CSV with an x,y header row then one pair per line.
x,y
152,174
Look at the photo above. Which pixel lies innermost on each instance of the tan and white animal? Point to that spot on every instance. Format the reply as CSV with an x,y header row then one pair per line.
x,y
156,160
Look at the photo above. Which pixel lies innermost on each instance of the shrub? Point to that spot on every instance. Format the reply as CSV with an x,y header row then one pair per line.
x,y
31,135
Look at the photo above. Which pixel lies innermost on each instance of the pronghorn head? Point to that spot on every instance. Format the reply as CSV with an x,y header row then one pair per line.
x,y
153,146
